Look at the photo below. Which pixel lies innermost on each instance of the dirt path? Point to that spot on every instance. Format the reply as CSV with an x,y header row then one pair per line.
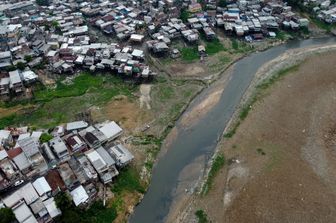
x,y
145,98
286,152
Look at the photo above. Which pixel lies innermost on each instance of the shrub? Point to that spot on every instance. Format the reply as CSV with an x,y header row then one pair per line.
x,y
217,164
6,215
201,216
45,137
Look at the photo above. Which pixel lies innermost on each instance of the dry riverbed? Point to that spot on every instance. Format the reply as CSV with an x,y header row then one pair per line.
x,y
281,160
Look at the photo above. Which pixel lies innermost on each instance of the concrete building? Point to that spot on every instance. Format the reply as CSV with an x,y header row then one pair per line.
x,y
60,149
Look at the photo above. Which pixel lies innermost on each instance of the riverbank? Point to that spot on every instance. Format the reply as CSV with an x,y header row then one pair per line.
x,y
287,60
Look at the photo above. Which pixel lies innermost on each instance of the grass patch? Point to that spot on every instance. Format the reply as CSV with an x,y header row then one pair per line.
x,y
259,93
189,54
224,60
214,46
217,164
8,120
270,81
14,102
235,44
54,106
128,180
281,35
80,86
240,46
321,24
147,140
202,217
166,93
175,110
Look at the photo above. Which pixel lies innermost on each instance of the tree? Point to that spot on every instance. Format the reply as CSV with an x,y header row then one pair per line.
x,y
184,15
55,24
42,2
6,215
28,58
20,66
10,68
63,201
45,137
70,215
222,3
46,26
298,4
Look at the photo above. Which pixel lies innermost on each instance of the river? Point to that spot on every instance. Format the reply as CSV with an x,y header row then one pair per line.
x,y
202,138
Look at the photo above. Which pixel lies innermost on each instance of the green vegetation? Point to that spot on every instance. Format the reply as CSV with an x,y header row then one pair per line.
x,y
235,44
7,121
166,93
154,142
189,54
240,46
53,106
259,93
42,2
28,58
201,216
213,47
81,84
321,24
55,24
222,3
217,164
184,15
97,213
263,86
10,68
280,35
232,131
147,140
46,26
297,4
6,215
20,66
269,82
154,145
45,137
261,151
128,181
63,200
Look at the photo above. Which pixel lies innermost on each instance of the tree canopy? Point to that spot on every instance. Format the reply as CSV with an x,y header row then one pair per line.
x,y
222,3
6,215
45,137
42,2
184,15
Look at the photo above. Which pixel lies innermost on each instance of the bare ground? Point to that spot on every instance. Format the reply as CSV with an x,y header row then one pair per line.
x,y
124,111
293,126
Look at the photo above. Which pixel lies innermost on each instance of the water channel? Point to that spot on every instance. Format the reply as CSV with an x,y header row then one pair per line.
x,y
202,138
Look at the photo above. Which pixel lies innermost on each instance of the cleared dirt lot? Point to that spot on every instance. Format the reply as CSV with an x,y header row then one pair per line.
x,y
286,149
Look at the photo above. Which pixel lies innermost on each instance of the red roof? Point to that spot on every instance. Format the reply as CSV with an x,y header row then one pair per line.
x,y
14,152
54,180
